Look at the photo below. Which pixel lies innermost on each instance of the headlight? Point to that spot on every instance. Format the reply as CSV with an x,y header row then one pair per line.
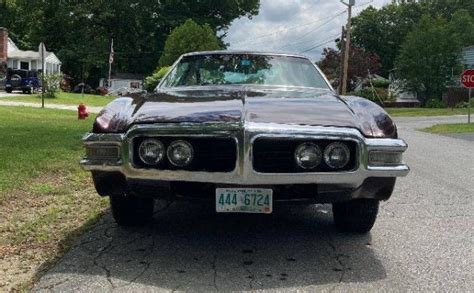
x,y
337,155
381,158
151,151
180,153
308,155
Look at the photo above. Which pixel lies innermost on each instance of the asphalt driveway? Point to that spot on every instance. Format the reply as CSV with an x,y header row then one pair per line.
x,y
423,239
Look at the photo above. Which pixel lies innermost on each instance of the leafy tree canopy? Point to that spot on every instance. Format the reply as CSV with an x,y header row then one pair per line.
x,y
153,80
188,37
361,63
382,31
428,56
80,32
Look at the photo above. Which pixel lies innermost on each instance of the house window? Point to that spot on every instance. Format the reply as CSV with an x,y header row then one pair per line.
x,y
24,65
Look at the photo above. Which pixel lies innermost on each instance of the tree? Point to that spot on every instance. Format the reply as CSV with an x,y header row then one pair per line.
x,y
360,63
188,37
80,32
462,24
383,31
428,56
153,80
446,8
330,64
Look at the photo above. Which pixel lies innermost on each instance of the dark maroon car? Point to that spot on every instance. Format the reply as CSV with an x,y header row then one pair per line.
x,y
245,131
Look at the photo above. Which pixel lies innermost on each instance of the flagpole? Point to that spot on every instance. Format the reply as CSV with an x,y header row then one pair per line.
x,y
110,62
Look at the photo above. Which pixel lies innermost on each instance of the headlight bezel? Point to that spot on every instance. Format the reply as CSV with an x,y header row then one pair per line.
x,y
318,152
329,148
188,160
158,144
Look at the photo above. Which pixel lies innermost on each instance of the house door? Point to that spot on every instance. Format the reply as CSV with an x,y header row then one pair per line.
x,y
25,65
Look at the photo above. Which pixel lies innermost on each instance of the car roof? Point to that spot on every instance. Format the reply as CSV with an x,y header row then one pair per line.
x,y
230,52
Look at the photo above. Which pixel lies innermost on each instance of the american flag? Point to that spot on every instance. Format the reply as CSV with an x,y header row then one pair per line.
x,y
111,56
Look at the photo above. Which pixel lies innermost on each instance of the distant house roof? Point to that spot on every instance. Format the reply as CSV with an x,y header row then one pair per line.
x,y
15,53
468,56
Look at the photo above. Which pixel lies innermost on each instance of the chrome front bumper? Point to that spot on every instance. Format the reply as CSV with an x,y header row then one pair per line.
x,y
244,174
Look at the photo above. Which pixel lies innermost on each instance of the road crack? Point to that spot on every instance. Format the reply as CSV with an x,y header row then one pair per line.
x,y
339,258
101,252
146,257
214,268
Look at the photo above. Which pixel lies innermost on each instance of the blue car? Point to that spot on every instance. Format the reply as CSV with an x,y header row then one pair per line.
x,y
25,80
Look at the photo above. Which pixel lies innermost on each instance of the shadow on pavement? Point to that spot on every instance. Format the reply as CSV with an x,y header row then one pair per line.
x,y
189,247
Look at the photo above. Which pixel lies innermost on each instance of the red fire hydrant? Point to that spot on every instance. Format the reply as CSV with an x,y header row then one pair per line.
x,y
82,111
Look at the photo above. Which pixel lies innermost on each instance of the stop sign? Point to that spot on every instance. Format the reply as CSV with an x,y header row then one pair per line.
x,y
467,78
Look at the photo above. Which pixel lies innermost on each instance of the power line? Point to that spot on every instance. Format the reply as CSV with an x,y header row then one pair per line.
x,y
365,3
290,28
339,14
329,40
294,42
327,20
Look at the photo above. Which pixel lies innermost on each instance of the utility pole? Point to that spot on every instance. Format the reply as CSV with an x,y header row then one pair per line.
x,y
341,66
42,49
347,45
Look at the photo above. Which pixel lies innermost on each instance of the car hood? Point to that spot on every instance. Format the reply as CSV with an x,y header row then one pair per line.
x,y
304,107
237,104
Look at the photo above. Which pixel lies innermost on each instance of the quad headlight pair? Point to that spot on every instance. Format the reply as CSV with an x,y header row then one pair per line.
x,y
180,153
309,155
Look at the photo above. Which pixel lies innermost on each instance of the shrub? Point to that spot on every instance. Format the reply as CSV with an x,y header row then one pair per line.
x,y
369,94
153,80
103,91
380,83
52,84
464,104
435,103
364,93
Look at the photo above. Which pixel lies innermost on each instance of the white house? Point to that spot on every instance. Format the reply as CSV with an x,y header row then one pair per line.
x,y
29,60
123,80
468,57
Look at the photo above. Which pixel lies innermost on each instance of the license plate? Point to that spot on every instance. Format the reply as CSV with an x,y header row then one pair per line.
x,y
244,200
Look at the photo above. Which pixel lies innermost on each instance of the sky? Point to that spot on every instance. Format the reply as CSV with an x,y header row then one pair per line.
x,y
299,26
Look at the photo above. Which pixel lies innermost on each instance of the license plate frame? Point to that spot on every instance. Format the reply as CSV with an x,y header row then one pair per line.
x,y
244,200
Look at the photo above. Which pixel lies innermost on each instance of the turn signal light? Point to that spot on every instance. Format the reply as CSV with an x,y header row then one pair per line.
x,y
381,158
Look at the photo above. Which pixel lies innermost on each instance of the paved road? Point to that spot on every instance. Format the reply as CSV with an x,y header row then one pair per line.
x,y
423,240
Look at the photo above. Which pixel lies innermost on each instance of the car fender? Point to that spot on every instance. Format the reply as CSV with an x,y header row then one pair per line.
x,y
374,120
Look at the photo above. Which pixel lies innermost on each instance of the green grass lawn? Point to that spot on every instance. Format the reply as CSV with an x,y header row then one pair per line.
x,y
46,200
412,112
64,99
450,128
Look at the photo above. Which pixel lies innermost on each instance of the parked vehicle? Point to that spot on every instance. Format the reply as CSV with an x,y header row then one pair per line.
x,y
245,130
20,79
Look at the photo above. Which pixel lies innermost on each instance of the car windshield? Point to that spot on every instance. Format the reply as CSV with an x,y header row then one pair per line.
x,y
231,69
